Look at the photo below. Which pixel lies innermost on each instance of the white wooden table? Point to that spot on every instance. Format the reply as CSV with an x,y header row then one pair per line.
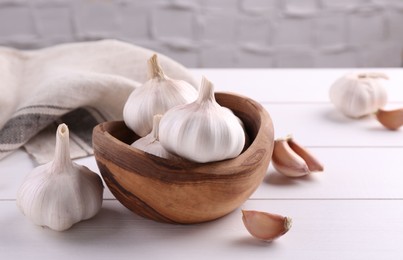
x,y
353,210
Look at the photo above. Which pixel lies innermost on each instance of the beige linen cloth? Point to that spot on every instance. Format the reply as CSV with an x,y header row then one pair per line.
x,y
80,84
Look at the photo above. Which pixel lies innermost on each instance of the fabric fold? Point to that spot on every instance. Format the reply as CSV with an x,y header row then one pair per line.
x,y
80,84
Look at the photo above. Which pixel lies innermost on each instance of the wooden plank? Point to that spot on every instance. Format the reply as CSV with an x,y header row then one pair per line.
x,y
350,173
321,230
321,125
292,85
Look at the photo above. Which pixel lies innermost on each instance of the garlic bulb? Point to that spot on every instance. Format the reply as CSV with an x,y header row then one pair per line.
x,y
155,96
151,144
60,193
358,94
202,131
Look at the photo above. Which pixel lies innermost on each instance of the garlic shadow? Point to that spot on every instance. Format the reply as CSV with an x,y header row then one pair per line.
x,y
103,226
248,241
333,115
379,129
275,178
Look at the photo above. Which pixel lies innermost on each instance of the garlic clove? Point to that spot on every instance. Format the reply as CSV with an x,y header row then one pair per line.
x,y
60,193
202,131
391,119
293,160
313,164
358,94
156,96
265,226
151,144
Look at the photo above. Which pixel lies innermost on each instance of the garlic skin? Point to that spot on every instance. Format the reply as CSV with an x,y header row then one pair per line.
x,y
155,96
151,144
202,131
265,226
358,94
60,193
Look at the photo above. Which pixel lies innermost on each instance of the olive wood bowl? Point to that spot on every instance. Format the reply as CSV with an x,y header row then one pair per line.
x,y
183,191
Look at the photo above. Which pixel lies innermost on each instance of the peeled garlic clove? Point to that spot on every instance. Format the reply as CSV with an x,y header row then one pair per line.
x,y
60,193
391,119
151,144
293,160
202,131
265,226
156,96
358,94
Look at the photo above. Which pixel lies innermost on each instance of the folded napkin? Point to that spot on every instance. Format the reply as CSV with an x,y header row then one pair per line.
x,y
80,84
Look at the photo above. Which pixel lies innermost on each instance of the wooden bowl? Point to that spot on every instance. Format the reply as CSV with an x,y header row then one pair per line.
x,y
182,191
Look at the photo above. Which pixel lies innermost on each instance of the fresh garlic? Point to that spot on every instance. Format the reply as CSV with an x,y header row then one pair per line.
x,y
391,119
265,226
60,193
156,96
151,144
292,160
359,94
202,131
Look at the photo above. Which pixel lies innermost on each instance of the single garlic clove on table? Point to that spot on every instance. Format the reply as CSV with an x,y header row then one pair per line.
x,y
293,160
265,226
60,193
391,119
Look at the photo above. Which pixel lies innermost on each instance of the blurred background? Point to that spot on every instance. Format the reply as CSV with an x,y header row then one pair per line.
x,y
220,33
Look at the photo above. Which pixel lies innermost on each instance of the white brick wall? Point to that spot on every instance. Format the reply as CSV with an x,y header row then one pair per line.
x,y
220,33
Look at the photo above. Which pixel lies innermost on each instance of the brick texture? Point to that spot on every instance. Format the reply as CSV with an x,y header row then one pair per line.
x,y
218,28
330,29
225,33
54,22
16,21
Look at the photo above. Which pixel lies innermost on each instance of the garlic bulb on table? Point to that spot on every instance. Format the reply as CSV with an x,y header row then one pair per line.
x,y
60,193
155,96
202,131
151,144
358,94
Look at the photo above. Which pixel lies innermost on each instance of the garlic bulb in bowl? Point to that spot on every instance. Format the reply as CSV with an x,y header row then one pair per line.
x,y
202,131
358,94
151,144
156,96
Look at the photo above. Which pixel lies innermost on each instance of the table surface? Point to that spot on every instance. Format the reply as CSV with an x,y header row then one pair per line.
x,y
352,210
